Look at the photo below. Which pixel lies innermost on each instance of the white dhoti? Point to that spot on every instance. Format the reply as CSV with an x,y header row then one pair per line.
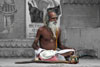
x,y
48,54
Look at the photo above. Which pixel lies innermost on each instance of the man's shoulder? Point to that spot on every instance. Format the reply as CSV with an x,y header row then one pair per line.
x,y
42,28
59,29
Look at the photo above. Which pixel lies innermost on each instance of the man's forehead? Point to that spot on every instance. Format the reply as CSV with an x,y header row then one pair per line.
x,y
52,14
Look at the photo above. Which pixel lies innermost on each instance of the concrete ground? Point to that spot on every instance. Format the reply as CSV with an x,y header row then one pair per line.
x,y
82,63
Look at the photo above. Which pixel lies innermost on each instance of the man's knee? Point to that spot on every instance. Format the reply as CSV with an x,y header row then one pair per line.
x,y
71,52
68,53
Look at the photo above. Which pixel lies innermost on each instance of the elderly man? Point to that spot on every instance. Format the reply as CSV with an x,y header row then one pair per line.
x,y
49,42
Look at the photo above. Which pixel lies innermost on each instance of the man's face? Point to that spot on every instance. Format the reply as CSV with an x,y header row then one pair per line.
x,y
53,16
53,22
52,19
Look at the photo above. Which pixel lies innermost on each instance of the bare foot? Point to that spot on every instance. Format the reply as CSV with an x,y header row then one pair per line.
x,y
74,60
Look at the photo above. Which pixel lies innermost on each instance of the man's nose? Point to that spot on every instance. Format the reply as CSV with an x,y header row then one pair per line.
x,y
55,19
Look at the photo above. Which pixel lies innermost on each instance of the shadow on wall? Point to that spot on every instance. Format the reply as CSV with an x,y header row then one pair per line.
x,y
87,53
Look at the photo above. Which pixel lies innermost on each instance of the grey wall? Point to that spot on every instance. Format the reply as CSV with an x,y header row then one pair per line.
x,y
18,26
81,26
79,23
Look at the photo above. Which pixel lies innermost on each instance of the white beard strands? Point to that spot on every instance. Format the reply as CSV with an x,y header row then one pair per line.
x,y
53,26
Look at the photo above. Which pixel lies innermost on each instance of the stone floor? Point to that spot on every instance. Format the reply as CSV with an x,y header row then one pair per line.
x,y
83,63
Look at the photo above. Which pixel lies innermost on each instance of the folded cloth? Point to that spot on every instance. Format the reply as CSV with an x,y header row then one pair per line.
x,y
47,54
65,51
51,55
57,57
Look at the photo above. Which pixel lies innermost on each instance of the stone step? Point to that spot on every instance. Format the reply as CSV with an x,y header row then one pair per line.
x,y
16,43
82,63
16,48
23,48
16,52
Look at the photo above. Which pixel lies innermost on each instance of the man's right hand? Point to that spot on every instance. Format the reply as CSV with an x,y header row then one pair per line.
x,y
37,52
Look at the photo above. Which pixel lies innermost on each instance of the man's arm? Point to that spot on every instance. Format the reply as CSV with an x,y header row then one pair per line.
x,y
59,41
35,43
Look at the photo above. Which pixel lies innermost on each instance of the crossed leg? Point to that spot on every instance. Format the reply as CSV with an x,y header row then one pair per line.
x,y
70,55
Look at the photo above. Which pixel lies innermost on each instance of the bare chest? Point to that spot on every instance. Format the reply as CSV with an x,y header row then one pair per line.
x,y
47,34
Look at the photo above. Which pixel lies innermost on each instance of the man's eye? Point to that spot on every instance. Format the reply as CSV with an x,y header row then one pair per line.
x,y
52,18
55,18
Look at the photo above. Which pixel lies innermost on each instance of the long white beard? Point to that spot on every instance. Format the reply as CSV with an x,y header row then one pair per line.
x,y
53,26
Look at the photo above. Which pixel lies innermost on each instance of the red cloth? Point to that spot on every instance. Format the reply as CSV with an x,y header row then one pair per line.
x,y
54,58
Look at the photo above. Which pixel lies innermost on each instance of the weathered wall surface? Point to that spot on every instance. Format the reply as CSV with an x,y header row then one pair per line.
x,y
17,28
14,43
79,23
